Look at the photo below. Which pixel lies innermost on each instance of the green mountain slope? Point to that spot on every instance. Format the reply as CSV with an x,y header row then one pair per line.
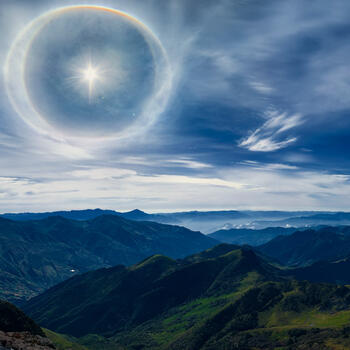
x,y
224,298
123,297
35,255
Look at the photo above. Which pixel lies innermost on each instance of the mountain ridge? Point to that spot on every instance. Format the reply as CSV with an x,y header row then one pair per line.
x,y
148,283
223,298
309,246
38,254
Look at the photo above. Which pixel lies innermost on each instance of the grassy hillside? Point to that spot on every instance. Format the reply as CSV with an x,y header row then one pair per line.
x,y
124,297
271,315
63,342
223,298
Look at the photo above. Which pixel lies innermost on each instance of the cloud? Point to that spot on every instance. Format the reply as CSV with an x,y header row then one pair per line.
x,y
271,135
244,187
269,166
187,180
188,163
103,173
265,144
261,87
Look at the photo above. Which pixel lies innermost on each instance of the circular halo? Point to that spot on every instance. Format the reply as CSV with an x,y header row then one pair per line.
x,y
22,103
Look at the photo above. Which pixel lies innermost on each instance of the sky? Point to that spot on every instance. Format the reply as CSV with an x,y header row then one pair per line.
x,y
255,114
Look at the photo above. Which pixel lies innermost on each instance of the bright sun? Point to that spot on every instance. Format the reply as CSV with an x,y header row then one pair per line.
x,y
90,75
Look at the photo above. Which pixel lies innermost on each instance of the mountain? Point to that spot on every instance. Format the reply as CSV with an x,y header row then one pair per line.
x,y
205,221
316,219
122,297
224,298
324,271
306,247
88,214
195,220
278,214
251,237
135,214
35,255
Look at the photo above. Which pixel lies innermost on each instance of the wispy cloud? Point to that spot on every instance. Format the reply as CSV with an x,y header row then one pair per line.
x,y
271,135
261,87
269,166
188,163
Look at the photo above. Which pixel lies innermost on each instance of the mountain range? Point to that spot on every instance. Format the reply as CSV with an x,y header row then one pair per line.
x,y
223,298
35,255
103,281
316,219
205,221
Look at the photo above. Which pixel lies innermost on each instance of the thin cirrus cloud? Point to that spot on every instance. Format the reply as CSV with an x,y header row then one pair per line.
x,y
271,135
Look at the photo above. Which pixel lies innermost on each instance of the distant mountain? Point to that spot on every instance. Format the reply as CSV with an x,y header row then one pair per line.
x,y
192,219
309,246
35,255
135,214
87,214
209,215
278,214
251,237
205,221
224,298
308,221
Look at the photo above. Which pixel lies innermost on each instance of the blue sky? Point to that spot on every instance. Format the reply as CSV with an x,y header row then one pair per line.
x,y
257,116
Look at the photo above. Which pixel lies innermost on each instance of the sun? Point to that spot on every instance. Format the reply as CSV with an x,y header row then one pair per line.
x,y
90,75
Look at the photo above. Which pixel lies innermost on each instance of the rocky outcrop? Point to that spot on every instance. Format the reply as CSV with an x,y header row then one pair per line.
x,y
24,341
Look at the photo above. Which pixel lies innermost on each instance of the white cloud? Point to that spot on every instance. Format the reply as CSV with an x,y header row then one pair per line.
x,y
102,173
180,179
261,87
268,137
265,144
249,186
188,163
269,166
